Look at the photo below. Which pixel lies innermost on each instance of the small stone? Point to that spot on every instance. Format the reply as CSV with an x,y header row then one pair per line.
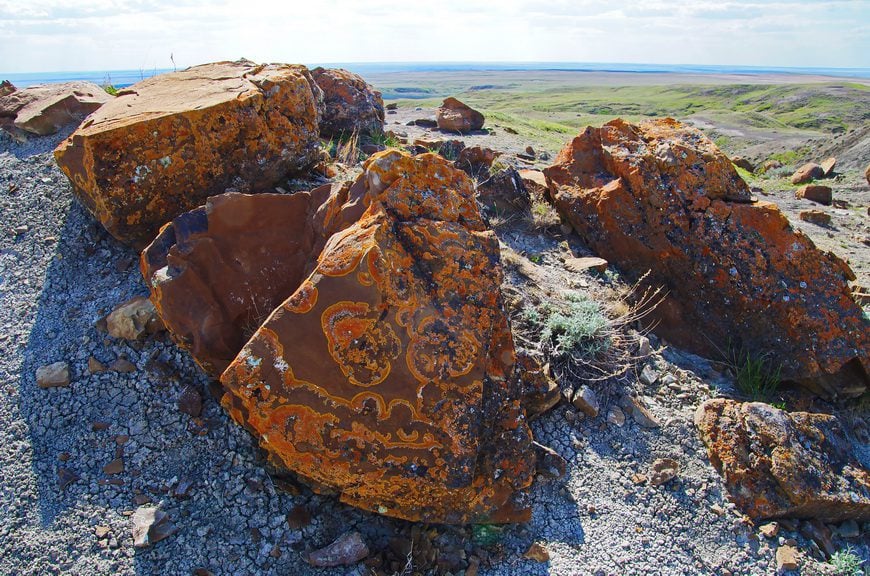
x,y
538,553
101,531
99,426
649,375
586,401
133,319
586,263
663,470
786,558
644,348
639,412
530,151
348,549
116,466
123,366
183,489
616,416
717,509
150,526
769,530
95,366
65,477
190,401
638,479
548,462
54,375
817,217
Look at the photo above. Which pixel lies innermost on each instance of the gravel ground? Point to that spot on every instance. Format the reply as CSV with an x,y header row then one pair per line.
x,y
60,273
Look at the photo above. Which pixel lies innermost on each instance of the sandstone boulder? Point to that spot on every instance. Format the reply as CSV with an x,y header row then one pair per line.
x,y
807,173
816,193
828,166
350,104
383,367
815,217
454,116
167,143
46,108
660,197
778,464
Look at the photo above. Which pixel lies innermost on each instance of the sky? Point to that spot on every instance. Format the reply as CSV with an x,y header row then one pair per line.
x,y
68,35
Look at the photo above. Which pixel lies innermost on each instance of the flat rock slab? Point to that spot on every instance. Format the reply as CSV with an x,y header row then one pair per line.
x,y
167,143
778,464
666,207
44,109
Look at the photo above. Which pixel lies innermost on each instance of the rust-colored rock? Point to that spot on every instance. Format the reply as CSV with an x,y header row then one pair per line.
x,y
384,368
816,193
44,109
818,217
778,464
350,103
828,166
661,197
476,160
807,173
167,143
455,116
535,182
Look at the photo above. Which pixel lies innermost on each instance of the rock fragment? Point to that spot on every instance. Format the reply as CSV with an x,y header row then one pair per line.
x,y
815,192
537,553
55,375
150,525
190,401
504,192
807,173
586,401
6,88
828,166
586,263
347,549
44,109
133,319
167,143
663,470
777,464
786,558
818,217
659,197
455,116
351,105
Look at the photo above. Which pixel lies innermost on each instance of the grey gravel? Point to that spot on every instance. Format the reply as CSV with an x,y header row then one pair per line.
x,y
60,513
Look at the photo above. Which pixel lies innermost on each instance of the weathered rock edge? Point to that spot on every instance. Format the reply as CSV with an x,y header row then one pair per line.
x,y
389,374
660,197
167,143
778,464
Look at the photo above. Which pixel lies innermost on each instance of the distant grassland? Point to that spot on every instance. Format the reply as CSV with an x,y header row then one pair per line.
x,y
549,108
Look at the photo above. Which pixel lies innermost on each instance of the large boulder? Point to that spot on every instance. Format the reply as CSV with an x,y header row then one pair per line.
x,y
46,108
384,366
778,464
166,144
350,104
807,173
454,116
660,197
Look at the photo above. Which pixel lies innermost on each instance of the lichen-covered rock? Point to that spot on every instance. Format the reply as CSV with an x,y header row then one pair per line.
x,y
778,464
660,197
384,368
44,109
350,103
167,143
455,116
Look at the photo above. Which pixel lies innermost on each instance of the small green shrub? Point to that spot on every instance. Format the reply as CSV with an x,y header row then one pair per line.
x,y
847,563
580,328
384,139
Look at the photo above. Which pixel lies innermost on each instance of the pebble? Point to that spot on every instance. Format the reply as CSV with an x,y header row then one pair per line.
x,y
616,416
786,558
586,401
54,375
537,553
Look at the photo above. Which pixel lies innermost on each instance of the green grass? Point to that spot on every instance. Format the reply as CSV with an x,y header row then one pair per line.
x,y
846,563
755,376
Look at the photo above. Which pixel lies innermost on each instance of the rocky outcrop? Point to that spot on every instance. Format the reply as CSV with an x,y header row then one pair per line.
x,y
383,367
778,464
454,116
661,197
169,142
350,104
46,108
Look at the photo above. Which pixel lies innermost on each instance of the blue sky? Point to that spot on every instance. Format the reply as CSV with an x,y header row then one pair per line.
x,y
57,35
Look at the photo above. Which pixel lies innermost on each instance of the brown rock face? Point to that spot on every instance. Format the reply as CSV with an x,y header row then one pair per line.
x,y
661,197
816,193
806,173
828,166
815,217
167,143
351,104
778,464
46,108
384,368
454,116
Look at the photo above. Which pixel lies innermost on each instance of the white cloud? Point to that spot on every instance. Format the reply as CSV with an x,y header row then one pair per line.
x,y
49,35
